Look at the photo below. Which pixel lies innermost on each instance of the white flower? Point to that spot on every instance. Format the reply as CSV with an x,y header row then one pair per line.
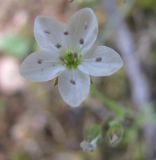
x,y
67,52
89,146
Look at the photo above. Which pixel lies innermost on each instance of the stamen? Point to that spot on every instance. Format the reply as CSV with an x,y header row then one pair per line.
x,y
81,41
71,59
98,59
58,45
47,32
66,33
39,61
72,82
86,27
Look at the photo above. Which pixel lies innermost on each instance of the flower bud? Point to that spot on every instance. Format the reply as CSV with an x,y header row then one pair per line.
x,y
89,146
114,134
91,137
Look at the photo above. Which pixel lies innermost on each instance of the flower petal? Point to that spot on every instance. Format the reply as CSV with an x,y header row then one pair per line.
x,y
103,61
83,29
74,87
48,33
41,66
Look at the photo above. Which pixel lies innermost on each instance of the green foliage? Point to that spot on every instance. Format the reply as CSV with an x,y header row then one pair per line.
x,y
147,4
86,3
153,56
92,132
119,110
19,156
15,45
2,104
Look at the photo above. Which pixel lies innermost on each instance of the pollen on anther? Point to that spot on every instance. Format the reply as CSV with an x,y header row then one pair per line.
x,y
66,33
81,41
47,32
99,59
58,45
72,82
39,61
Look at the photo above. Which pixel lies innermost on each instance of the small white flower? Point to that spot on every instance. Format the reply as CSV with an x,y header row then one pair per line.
x,y
89,146
67,52
114,139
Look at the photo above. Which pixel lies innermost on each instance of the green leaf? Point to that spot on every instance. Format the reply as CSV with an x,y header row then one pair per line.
x,y
15,45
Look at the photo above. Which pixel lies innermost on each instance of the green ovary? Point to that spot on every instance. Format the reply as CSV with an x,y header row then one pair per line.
x,y
71,60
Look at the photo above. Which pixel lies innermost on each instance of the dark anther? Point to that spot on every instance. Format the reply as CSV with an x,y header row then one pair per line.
x,y
72,82
47,32
58,45
81,41
99,59
86,27
66,33
39,61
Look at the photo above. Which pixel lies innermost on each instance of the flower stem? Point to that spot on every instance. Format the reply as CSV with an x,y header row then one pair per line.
x,y
119,110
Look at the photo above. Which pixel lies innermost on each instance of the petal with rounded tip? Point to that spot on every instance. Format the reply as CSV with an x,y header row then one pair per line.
x,y
49,33
74,87
41,66
83,29
102,61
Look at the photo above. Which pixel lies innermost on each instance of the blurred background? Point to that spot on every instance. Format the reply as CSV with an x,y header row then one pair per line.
x,y
35,124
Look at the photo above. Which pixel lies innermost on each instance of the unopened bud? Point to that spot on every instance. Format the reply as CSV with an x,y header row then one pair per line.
x,y
89,146
115,134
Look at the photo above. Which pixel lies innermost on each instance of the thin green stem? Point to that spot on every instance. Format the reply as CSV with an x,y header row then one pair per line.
x,y
119,110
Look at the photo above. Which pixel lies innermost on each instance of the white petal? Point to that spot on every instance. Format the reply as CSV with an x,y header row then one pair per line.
x,y
103,61
49,33
83,29
74,87
41,66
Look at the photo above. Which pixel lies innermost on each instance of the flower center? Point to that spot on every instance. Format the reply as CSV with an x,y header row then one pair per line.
x,y
71,60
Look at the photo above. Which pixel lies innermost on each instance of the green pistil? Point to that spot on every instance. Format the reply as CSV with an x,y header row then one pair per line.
x,y
71,60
